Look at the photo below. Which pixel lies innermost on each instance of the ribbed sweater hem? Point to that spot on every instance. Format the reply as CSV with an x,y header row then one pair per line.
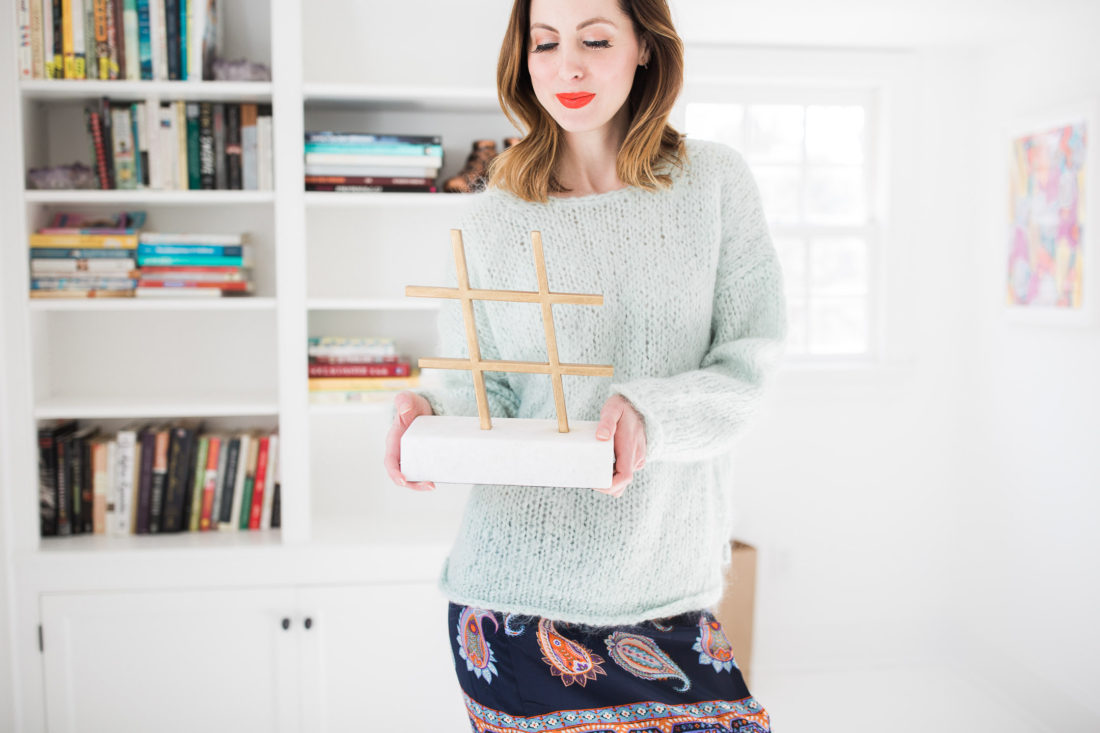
x,y
707,599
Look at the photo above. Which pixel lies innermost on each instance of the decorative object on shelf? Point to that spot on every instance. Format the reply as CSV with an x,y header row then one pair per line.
x,y
472,177
362,162
55,177
240,70
516,451
1053,267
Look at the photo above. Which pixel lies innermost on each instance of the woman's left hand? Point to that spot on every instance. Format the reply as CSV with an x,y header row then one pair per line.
x,y
619,421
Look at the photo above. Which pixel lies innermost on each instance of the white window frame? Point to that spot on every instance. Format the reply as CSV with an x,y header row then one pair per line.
x,y
882,81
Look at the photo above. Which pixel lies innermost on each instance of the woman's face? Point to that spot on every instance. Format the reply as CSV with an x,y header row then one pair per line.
x,y
582,47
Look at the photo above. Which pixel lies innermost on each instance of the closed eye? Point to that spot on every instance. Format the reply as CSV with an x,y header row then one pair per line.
x,y
591,44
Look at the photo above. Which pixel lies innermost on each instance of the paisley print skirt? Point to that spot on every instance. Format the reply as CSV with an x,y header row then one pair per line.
x,y
529,673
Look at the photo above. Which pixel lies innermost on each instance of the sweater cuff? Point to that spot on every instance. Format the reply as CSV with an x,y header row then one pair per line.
x,y
637,394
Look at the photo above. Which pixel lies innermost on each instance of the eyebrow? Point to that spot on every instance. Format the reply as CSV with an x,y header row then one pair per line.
x,y
585,24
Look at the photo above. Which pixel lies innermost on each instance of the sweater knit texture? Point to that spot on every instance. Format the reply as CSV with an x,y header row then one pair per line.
x,y
694,323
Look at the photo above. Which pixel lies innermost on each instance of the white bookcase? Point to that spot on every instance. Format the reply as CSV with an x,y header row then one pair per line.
x,y
356,555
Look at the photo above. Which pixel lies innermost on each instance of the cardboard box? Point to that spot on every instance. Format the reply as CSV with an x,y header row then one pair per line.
x,y
734,610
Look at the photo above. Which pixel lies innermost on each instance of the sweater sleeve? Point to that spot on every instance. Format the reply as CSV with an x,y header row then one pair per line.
x,y
455,396
699,414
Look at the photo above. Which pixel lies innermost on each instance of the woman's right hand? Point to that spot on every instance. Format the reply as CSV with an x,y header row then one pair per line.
x,y
409,406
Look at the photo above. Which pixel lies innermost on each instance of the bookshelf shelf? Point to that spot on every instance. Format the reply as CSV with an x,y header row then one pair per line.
x,y
150,197
198,541
403,98
127,305
320,199
384,304
208,91
129,405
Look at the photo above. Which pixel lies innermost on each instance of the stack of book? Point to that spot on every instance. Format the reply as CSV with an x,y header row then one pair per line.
x,y
79,255
201,265
357,370
361,162
153,478
119,39
181,145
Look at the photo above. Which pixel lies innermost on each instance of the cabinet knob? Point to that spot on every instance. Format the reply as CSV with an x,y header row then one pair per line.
x,y
286,624
308,623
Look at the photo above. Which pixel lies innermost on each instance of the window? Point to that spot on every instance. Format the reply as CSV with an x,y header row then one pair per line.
x,y
812,157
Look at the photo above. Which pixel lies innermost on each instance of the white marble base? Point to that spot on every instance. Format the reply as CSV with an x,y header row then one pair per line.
x,y
516,451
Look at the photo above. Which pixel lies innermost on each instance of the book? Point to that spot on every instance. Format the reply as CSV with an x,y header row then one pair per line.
x,y
245,513
259,484
269,480
160,480
249,169
210,481
49,434
229,474
244,443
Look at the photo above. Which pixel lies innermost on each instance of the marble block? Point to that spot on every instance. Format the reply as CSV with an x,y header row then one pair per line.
x,y
516,451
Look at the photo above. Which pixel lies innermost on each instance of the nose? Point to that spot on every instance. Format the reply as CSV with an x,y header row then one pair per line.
x,y
570,64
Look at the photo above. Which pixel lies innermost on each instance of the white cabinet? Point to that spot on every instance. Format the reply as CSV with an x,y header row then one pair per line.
x,y
372,661
345,658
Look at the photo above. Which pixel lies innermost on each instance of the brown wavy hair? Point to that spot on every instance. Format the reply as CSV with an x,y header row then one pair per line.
x,y
528,168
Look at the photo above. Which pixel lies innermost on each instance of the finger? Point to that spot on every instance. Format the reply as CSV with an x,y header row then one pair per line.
x,y
609,419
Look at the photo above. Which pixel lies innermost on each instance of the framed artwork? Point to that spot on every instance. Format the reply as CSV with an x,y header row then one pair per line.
x,y
1051,248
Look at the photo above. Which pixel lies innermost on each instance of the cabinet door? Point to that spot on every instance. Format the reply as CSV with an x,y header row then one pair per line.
x,y
170,661
378,657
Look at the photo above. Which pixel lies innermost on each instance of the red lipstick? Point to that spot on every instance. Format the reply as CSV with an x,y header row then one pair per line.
x,y
575,100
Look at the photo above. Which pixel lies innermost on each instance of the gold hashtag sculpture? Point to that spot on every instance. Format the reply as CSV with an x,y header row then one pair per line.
x,y
476,365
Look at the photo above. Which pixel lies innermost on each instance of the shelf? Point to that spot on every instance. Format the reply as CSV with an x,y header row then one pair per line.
x,y
152,304
136,406
334,198
208,91
365,304
453,99
145,196
198,541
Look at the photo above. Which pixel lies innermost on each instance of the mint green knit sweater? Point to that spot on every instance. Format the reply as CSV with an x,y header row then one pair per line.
x,y
694,322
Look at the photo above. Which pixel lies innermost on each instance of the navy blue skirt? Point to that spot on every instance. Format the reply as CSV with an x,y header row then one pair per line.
x,y
528,673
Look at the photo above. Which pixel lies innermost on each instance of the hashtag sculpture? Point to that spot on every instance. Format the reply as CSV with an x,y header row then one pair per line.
x,y
476,365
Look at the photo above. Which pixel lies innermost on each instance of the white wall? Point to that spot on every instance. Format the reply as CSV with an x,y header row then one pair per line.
x,y
1025,612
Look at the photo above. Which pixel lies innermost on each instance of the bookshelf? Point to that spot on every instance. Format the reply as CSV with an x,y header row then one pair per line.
x,y
326,264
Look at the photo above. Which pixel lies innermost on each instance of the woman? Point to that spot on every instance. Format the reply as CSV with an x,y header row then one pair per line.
x,y
570,607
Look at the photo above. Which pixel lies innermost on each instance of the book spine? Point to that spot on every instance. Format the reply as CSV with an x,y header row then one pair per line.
x,y
58,42
67,59
269,480
108,137
194,154
86,241
206,146
343,188
131,36
159,39
47,483
185,42
234,520
393,369
219,147
141,143
264,161
181,133
145,40
64,495
254,516
219,484
198,481
248,146
109,67
160,479
233,150
245,513
91,57
145,480
209,485
229,484
100,486
125,482
172,32
111,485
118,40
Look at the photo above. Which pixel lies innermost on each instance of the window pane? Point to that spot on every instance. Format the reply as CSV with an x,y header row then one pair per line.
x,y
834,134
838,326
775,133
779,192
792,260
721,122
838,266
835,196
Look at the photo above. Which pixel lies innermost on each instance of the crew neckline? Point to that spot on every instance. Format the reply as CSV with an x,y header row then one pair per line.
x,y
591,196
